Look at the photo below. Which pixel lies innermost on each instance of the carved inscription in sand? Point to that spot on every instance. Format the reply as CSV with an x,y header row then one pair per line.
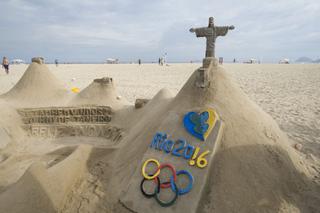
x,y
82,130
51,122
53,115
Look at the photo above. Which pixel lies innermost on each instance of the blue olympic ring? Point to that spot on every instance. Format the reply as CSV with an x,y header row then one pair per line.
x,y
188,188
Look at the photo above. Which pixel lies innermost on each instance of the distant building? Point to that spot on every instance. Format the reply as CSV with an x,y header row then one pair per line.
x,y
251,61
112,61
284,61
17,61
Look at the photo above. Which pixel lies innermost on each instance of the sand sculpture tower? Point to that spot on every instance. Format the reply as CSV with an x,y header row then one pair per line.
x,y
211,33
38,60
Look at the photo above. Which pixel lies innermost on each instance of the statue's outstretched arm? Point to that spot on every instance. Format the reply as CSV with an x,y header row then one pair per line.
x,y
200,32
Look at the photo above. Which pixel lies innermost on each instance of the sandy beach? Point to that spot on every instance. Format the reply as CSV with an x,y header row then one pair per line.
x,y
251,146
160,106
289,93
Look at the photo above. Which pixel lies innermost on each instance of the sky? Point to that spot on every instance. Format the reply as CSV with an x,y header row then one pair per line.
x,y
93,30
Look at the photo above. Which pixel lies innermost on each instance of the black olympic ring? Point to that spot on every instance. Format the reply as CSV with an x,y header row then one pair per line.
x,y
157,188
157,192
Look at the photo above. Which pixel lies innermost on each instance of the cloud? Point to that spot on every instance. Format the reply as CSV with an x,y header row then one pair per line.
x,y
97,29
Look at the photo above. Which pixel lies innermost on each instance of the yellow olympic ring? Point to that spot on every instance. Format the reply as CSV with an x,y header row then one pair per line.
x,y
144,168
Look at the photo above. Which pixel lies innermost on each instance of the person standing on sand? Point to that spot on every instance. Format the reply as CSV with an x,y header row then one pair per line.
x,y
161,61
56,62
5,64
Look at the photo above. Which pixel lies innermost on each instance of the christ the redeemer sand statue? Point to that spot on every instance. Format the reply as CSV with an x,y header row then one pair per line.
x,y
211,33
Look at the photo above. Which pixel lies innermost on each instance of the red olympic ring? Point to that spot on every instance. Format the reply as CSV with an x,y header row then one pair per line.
x,y
168,183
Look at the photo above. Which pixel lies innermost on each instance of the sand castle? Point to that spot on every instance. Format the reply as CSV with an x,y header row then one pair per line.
x,y
100,92
207,149
37,87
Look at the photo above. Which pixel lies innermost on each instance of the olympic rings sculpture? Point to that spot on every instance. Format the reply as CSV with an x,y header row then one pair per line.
x,y
162,185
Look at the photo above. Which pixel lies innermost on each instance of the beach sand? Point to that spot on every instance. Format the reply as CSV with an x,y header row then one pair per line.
x,y
289,93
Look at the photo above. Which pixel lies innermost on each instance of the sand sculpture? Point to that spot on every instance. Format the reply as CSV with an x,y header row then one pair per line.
x,y
101,91
37,87
207,149
140,102
39,60
210,33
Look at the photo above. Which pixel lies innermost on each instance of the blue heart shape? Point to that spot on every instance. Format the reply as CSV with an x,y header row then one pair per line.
x,y
196,124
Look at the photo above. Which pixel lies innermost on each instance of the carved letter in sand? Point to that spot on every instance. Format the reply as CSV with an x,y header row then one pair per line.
x,y
52,122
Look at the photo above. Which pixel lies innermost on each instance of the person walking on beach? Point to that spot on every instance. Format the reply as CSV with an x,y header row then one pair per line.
x,y
161,61
56,62
139,61
5,64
